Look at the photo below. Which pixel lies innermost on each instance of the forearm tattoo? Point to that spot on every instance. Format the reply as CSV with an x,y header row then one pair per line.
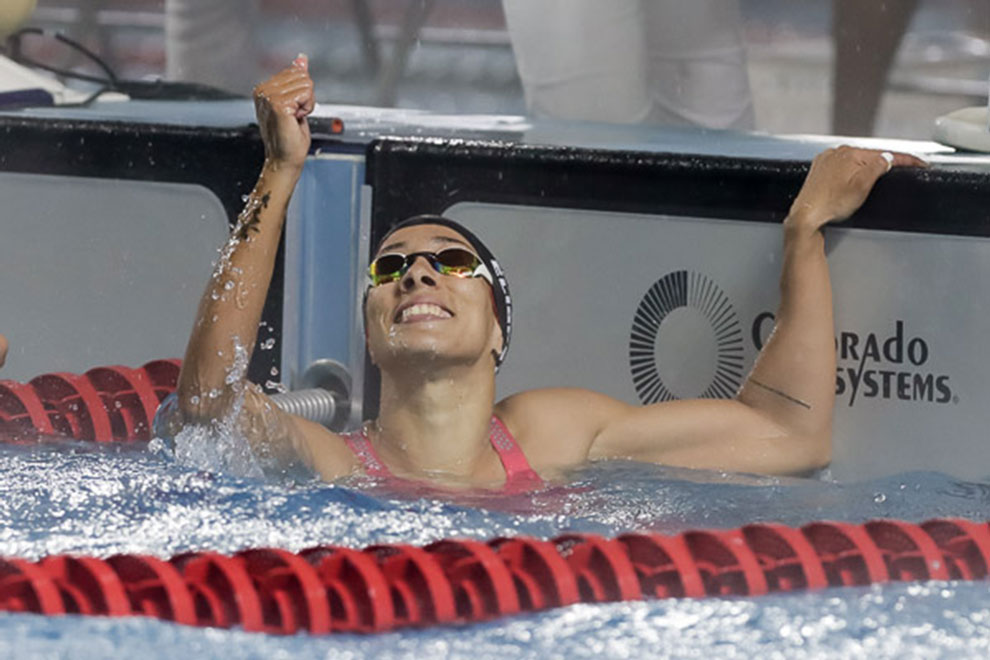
x,y
784,395
251,217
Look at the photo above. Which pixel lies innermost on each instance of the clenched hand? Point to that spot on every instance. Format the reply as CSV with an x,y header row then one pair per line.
x,y
282,104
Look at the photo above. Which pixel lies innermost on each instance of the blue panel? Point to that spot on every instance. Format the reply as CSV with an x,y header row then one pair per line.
x,y
322,239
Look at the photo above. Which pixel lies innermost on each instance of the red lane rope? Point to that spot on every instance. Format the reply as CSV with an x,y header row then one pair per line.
x,y
106,404
21,405
328,589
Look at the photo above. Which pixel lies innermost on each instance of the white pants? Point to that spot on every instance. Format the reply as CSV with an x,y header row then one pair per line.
x,y
630,61
212,42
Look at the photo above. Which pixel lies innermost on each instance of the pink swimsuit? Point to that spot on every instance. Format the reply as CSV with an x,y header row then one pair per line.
x,y
519,475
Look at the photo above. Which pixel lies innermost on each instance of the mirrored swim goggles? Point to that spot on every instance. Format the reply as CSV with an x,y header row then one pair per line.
x,y
449,261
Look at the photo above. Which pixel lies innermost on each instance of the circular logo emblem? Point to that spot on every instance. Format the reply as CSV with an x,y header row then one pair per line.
x,y
685,341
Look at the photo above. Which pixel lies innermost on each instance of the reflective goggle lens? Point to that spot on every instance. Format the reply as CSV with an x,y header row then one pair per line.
x,y
387,268
452,261
455,261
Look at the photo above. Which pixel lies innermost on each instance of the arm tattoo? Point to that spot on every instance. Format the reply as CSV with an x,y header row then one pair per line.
x,y
784,395
251,217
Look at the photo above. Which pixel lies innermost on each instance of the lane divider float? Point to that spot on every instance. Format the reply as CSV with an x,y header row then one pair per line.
x,y
329,589
106,404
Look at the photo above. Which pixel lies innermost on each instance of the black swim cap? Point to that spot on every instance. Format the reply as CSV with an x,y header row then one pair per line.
x,y
500,287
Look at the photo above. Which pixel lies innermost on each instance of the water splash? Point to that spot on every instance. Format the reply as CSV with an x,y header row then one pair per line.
x,y
221,445
216,447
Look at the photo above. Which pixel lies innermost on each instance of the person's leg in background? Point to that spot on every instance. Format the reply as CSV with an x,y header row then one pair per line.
x,y
212,42
866,37
581,59
698,70
633,61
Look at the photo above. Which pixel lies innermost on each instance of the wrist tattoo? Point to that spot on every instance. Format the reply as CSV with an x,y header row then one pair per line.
x,y
252,216
783,395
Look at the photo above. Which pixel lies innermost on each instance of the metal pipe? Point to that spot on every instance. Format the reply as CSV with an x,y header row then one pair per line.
x,y
316,404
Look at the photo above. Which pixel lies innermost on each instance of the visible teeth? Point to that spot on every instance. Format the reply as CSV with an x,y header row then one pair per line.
x,y
425,309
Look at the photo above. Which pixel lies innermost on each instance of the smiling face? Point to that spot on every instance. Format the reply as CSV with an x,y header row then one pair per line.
x,y
428,319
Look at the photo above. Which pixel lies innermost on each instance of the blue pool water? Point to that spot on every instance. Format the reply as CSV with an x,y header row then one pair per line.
x,y
71,497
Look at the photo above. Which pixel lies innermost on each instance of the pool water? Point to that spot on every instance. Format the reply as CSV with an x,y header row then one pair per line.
x,y
68,497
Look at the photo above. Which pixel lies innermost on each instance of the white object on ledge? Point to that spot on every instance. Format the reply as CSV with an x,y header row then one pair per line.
x,y
965,129
16,78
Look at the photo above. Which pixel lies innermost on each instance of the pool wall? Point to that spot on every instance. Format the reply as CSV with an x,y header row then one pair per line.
x,y
90,274
643,261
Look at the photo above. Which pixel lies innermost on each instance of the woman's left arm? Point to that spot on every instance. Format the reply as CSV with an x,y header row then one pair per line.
x,y
781,420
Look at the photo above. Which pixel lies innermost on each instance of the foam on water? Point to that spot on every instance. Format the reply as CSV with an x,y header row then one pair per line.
x,y
72,497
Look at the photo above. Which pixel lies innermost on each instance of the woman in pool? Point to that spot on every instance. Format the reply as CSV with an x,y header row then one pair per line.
x,y
437,324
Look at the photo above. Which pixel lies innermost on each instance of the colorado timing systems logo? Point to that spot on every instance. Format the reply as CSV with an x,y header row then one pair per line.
x,y
685,341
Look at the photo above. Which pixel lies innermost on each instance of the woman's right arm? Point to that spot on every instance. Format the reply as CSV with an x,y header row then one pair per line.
x,y
212,384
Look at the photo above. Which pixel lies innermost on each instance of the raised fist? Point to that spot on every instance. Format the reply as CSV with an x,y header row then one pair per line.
x,y
282,104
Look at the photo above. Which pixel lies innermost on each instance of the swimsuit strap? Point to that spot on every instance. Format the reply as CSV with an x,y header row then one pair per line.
x,y
519,475
361,446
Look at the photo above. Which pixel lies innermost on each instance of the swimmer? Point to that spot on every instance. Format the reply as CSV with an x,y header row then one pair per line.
x,y
438,324
3,350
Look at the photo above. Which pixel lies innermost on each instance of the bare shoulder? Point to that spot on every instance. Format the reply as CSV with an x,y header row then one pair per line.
x,y
556,426
560,400
323,450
